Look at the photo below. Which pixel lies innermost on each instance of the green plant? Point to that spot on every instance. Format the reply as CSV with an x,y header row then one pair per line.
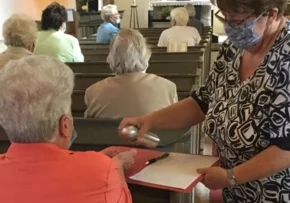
x,y
82,2
165,11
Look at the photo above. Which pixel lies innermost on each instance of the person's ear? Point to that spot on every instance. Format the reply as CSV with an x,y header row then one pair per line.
x,y
173,22
272,15
65,127
31,47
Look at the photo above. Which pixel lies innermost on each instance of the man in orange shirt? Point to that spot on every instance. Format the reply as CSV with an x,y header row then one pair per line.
x,y
38,167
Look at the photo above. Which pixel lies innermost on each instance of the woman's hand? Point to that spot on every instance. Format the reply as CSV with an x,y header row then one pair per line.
x,y
144,124
214,177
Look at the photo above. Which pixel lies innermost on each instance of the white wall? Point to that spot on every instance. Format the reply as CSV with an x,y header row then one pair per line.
x,y
33,8
143,7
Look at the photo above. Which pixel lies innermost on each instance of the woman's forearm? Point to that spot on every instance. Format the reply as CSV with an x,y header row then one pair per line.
x,y
270,161
183,114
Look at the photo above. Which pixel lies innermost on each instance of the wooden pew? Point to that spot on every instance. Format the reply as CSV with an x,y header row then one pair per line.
x,y
104,48
195,55
155,67
184,82
150,40
79,106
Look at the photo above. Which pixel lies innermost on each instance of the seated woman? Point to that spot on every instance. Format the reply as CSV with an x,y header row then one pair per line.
x,y
131,92
19,33
108,29
35,113
193,22
52,40
179,32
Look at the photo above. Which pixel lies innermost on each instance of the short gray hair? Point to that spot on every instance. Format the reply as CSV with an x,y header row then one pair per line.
x,y
190,9
129,52
108,11
19,30
35,91
180,16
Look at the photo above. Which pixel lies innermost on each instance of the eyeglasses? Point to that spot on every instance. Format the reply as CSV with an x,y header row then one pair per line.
x,y
240,22
234,23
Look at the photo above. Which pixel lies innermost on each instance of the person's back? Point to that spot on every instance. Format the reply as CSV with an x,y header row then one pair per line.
x,y
52,40
59,45
193,22
36,117
130,94
19,33
106,32
186,34
45,173
108,29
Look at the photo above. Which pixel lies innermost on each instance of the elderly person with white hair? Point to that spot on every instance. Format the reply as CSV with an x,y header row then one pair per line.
x,y
36,116
19,32
132,91
109,28
193,22
179,32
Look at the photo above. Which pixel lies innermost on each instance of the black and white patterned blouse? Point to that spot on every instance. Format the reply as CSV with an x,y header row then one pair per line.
x,y
245,117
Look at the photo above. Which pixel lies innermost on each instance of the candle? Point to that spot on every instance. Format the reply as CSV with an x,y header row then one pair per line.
x,y
134,2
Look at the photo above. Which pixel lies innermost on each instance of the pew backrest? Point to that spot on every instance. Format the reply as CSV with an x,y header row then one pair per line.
x,y
183,82
195,55
105,132
79,106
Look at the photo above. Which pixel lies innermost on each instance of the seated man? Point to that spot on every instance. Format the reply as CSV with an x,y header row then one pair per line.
x,y
19,32
108,29
193,22
179,32
38,167
131,92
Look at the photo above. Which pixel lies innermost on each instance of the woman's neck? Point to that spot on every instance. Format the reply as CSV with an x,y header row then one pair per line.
x,y
269,37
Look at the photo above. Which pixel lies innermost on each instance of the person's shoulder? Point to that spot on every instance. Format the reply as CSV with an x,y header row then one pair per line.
x,y
192,29
159,80
99,86
92,160
69,37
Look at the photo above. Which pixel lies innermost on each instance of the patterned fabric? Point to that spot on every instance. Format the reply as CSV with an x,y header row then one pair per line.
x,y
245,117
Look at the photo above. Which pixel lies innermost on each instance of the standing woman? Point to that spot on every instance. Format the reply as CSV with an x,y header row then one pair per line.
x,y
52,40
244,104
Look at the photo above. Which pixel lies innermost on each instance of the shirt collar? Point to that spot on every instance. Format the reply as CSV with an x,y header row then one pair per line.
x,y
33,149
17,50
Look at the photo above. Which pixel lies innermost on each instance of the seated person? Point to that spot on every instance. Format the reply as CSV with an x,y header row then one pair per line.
x,y
19,33
179,32
108,29
193,22
38,167
131,92
52,40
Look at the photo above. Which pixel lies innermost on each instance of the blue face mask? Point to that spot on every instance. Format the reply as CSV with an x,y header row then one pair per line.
x,y
118,21
243,36
64,27
73,137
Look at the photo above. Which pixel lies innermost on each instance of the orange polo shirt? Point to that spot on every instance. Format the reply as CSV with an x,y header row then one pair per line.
x,y
44,173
